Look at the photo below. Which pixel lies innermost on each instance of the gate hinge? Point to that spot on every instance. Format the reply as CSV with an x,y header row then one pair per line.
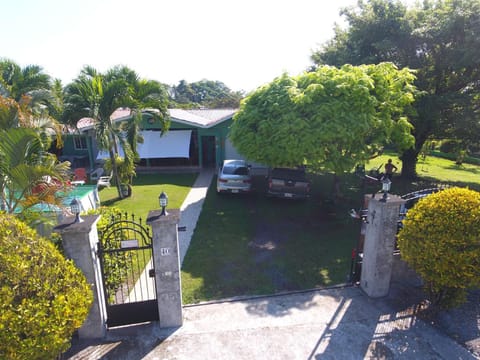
x,y
151,273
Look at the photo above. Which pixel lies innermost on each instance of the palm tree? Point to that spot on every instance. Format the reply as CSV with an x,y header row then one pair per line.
x,y
148,98
97,96
16,82
27,95
28,173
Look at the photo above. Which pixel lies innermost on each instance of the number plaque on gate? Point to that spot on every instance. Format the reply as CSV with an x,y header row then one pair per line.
x,y
127,244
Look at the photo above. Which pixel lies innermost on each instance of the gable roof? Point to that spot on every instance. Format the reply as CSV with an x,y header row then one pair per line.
x,y
204,118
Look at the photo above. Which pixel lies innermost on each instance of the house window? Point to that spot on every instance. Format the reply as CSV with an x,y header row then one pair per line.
x,y
80,143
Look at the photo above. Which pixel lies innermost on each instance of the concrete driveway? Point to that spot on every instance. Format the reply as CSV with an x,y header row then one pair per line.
x,y
338,323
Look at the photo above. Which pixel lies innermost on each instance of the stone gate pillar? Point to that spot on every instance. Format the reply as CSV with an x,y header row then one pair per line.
x,y
379,245
80,241
166,257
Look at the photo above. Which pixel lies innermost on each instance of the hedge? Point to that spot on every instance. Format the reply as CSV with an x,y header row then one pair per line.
x,y
440,239
44,298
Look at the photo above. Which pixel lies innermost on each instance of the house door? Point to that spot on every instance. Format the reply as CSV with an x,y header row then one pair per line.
x,y
208,151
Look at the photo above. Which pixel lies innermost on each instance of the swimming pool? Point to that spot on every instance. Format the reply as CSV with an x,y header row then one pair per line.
x,y
87,195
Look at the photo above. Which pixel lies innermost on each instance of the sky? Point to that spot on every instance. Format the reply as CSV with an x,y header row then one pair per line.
x,y
243,44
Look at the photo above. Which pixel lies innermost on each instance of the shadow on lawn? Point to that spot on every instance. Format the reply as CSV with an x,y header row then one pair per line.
x,y
254,245
456,167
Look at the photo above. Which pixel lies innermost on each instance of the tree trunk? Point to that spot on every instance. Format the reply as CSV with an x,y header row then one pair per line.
x,y
115,173
336,188
409,164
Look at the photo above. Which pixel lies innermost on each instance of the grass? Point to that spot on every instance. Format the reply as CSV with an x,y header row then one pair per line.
x,y
255,245
435,170
249,245
146,189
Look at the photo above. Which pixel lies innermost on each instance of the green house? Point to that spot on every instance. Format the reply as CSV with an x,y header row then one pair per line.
x,y
197,138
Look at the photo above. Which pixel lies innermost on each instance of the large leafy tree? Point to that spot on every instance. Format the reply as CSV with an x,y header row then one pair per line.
x,y
96,95
438,39
329,119
205,93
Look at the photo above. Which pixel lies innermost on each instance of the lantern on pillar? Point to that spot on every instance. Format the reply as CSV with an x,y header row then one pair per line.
x,y
163,200
386,184
75,208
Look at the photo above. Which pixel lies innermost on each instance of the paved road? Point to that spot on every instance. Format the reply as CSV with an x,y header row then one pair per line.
x,y
341,323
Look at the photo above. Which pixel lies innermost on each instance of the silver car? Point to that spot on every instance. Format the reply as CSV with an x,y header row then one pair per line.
x,y
234,177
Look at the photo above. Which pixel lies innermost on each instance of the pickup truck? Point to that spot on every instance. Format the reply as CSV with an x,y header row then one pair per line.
x,y
288,183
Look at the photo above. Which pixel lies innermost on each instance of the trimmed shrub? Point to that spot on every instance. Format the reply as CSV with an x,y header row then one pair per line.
x,y
450,146
44,298
454,157
440,239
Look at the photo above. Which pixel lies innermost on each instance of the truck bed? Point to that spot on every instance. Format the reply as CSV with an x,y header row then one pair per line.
x,y
288,183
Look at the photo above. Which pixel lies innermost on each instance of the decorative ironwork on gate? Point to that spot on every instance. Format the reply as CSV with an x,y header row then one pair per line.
x,y
126,257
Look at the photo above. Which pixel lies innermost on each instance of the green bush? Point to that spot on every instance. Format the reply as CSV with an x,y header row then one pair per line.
x,y
450,146
44,298
440,239
454,157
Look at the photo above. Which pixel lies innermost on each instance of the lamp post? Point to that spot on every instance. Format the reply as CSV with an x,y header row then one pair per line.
x,y
386,184
163,200
75,208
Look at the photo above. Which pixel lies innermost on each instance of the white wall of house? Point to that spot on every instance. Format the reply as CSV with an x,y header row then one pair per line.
x,y
232,153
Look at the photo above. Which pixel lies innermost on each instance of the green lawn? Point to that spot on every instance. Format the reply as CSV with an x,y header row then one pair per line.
x,y
246,245
146,189
435,170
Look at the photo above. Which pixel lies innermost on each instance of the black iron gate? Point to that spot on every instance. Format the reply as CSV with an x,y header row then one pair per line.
x,y
126,258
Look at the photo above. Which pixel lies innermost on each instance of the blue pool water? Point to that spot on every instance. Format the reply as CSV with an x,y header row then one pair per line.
x,y
87,195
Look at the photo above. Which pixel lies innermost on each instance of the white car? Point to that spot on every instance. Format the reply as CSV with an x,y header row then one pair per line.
x,y
234,177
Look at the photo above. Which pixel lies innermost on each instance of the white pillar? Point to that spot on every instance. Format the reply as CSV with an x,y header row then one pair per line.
x,y
166,257
79,242
379,245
